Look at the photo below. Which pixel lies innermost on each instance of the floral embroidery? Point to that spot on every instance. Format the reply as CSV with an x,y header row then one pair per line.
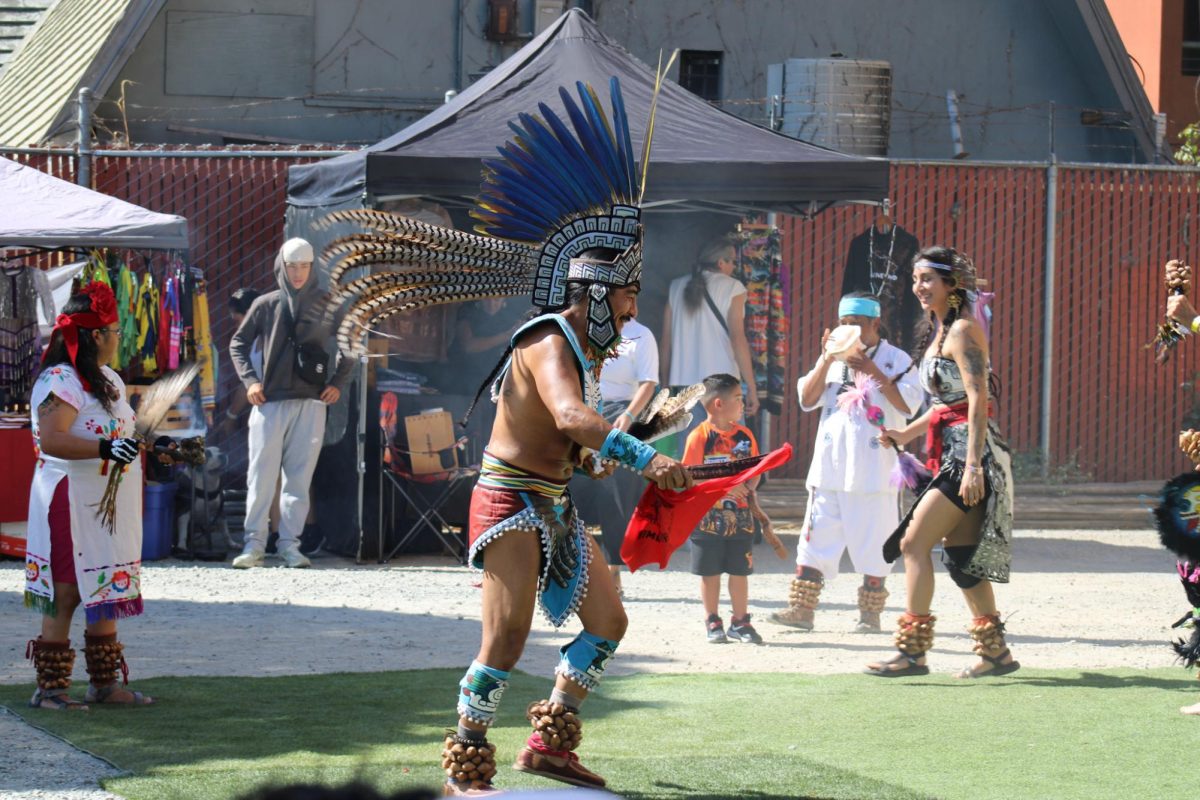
x,y
119,583
37,572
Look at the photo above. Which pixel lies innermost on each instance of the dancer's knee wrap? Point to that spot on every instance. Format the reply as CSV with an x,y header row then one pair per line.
x,y
583,659
480,691
955,557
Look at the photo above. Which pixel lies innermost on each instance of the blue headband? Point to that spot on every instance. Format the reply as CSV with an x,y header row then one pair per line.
x,y
858,307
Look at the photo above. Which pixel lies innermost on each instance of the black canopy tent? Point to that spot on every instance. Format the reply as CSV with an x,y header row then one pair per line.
x,y
702,157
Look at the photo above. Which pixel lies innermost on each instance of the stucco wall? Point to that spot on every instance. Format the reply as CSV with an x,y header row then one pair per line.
x,y
379,64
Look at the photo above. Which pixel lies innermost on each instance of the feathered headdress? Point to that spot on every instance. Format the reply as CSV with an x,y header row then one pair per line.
x,y
555,193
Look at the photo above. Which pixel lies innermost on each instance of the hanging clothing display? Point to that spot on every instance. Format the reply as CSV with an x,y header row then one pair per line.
x,y
206,351
126,291
18,335
147,323
880,262
760,268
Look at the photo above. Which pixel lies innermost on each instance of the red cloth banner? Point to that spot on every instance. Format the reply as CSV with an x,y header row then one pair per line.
x,y
664,520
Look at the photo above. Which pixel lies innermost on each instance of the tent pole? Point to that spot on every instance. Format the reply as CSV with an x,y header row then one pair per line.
x,y
83,171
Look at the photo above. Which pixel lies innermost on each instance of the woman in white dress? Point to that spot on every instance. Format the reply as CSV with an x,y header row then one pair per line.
x,y
82,429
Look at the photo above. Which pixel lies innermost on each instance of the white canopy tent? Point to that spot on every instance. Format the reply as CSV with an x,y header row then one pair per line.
x,y
39,210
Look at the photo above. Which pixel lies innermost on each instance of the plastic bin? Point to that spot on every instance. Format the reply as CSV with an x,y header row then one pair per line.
x,y
158,520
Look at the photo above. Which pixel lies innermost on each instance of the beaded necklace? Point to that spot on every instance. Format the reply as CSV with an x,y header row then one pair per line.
x,y
887,274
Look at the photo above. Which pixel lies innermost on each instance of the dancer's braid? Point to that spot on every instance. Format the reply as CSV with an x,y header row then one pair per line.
x,y
950,319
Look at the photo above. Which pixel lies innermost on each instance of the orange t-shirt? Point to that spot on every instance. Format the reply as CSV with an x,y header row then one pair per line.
x,y
707,445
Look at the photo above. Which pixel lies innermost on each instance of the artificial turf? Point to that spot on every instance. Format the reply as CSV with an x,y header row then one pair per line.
x,y
1034,734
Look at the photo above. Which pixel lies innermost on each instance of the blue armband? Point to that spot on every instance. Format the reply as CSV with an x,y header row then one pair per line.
x,y
625,449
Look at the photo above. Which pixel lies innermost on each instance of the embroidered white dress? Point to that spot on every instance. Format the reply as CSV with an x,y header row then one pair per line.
x,y
107,564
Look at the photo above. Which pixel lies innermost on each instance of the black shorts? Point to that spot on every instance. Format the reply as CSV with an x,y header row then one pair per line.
x,y
948,486
716,555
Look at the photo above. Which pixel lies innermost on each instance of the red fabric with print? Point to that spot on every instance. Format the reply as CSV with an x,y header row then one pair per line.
x,y
664,520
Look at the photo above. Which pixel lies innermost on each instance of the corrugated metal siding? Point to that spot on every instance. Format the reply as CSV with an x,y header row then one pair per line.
x,y
45,74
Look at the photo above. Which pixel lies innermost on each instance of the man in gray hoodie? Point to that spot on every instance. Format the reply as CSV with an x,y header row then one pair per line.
x,y
288,393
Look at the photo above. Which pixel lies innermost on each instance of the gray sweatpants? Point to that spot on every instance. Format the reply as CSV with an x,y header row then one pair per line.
x,y
283,435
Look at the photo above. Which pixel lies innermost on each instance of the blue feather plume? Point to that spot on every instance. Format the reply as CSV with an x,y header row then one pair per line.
x,y
621,125
553,172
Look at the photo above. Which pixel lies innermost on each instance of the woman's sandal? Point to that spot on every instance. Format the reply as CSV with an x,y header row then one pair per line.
x,y
101,695
885,670
997,669
56,701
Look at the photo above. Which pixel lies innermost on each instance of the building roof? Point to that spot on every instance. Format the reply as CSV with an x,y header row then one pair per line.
x,y
17,19
76,43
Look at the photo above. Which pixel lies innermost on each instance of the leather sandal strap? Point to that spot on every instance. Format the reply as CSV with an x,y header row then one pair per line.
x,y
996,659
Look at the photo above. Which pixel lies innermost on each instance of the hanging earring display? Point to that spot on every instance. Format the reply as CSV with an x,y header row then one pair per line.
x,y
954,300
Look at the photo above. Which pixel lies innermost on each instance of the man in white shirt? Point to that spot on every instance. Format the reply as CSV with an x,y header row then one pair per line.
x,y
627,385
851,501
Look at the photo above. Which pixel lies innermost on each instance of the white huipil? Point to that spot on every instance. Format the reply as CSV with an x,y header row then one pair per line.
x,y
851,502
107,563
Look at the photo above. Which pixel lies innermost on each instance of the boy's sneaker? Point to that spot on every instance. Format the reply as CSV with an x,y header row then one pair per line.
x,y
740,630
716,630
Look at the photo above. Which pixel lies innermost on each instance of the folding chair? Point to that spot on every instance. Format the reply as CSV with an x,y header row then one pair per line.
x,y
425,494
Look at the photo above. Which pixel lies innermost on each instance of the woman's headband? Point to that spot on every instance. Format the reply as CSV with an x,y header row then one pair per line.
x,y
858,307
940,267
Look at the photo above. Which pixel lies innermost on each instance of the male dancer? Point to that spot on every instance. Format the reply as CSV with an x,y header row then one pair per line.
x,y
560,215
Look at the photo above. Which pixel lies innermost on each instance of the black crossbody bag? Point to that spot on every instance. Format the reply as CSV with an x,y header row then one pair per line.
x,y
311,361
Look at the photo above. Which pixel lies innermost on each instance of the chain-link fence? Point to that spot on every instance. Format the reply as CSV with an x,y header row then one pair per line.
x,y
1112,414
1107,413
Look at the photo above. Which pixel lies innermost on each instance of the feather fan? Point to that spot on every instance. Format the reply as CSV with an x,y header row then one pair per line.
x,y
156,403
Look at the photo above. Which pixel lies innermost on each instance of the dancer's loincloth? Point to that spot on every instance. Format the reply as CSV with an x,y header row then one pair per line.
x,y
509,499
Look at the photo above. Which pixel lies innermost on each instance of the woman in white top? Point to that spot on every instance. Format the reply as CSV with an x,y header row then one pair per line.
x,y
83,429
704,324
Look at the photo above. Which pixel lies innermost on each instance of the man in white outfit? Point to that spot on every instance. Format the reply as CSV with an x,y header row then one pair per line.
x,y
852,504
288,393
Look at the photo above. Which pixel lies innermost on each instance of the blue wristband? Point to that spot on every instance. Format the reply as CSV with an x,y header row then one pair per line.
x,y
625,449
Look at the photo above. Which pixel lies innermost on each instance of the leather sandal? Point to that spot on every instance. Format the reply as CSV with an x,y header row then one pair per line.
x,y
997,669
101,695
56,701
885,670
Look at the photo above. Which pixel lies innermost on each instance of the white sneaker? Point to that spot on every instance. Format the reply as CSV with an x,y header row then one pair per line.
x,y
292,557
248,559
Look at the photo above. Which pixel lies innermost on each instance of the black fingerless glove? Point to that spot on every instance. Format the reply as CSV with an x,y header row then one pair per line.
x,y
123,451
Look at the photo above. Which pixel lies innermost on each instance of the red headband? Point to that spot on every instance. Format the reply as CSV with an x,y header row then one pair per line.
x,y
103,313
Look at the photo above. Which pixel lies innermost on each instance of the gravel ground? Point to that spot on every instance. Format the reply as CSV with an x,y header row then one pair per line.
x,y
1079,599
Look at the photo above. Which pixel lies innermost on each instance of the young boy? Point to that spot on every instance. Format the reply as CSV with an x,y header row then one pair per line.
x,y
723,542
851,503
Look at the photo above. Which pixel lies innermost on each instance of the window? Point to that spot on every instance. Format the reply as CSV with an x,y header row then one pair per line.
x,y
1191,37
700,72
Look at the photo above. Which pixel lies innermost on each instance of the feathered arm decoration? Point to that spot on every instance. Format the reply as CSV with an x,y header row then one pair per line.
x,y
665,414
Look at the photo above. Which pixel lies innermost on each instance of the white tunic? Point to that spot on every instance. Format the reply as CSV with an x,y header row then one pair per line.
x,y
107,565
847,456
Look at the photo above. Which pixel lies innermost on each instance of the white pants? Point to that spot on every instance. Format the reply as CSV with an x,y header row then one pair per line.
x,y
854,521
283,435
